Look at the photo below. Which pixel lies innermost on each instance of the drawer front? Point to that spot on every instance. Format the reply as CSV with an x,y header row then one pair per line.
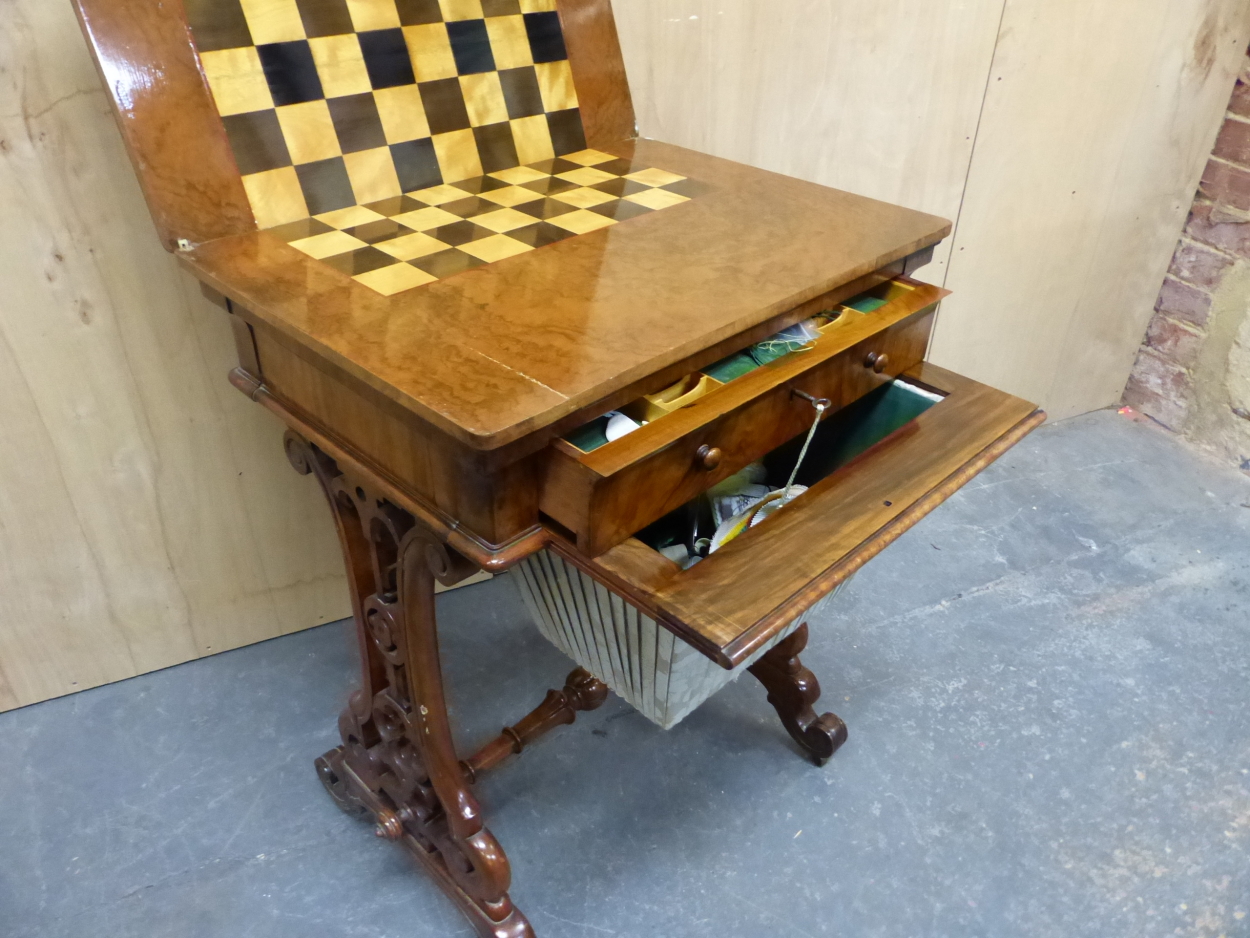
x,y
601,498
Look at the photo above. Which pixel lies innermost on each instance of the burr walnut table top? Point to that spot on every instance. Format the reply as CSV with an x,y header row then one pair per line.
x,y
507,349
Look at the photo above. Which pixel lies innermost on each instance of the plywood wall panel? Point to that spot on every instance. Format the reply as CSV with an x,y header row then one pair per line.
x,y
147,513
1096,126
881,99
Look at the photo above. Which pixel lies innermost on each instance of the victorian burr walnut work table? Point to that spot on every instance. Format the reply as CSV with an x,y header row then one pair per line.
x,y
446,256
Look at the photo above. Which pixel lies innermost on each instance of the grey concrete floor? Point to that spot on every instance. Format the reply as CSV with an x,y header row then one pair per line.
x,y
1046,684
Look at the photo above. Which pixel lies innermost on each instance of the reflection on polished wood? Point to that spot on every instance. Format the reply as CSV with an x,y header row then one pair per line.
x,y
510,350
431,417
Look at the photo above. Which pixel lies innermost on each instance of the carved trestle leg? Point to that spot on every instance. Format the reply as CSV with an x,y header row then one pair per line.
x,y
793,691
397,762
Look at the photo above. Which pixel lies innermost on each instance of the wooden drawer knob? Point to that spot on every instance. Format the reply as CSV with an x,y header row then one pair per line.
x,y
877,361
708,457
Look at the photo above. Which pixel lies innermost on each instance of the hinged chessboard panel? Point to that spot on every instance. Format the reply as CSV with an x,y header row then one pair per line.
x,y
349,119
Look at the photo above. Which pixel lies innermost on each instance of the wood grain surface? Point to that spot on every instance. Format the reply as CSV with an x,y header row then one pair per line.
x,y
147,513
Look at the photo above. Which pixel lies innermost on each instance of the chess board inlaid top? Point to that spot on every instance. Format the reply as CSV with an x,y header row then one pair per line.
x,y
407,241
403,141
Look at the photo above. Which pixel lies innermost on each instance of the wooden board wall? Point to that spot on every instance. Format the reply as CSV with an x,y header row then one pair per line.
x,y
1066,138
147,514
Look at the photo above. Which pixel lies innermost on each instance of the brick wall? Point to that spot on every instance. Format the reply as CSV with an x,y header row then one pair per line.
x,y
1216,236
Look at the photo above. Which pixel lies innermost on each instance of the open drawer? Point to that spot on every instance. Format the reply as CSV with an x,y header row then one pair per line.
x,y
735,602
717,421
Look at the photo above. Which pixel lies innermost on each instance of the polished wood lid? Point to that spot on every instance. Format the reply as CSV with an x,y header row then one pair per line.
x,y
509,349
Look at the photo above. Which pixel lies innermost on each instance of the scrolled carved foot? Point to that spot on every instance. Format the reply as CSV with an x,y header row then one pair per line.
x,y
584,691
793,690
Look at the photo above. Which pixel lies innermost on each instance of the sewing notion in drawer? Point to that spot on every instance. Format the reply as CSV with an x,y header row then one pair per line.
x,y
614,475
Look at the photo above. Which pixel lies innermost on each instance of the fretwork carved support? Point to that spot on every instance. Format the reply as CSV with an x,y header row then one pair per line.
x,y
397,762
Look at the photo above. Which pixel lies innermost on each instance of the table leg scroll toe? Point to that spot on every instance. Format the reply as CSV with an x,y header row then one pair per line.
x,y
793,691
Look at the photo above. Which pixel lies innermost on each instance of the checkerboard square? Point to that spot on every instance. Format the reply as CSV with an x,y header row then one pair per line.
x,y
444,106
511,196
509,42
496,249
518,175
257,141
503,220
275,196
273,21
546,37
394,279
495,147
555,82
533,139
521,93
325,185
447,263
411,246
621,210
218,25
457,155
469,206
290,72
297,230
427,219
480,184
373,175
584,198
654,177
591,158
416,164
461,232
657,198
461,9
501,7
309,132
360,262
470,46
483,99
546,208
369,15
328,244
586,176
397,205
349,217
237,80
325,17
540,235
402,113
581,221
550,185
418,12
374,231
437,195
386,58
357,122
619,187
430,50
340,65
567,135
